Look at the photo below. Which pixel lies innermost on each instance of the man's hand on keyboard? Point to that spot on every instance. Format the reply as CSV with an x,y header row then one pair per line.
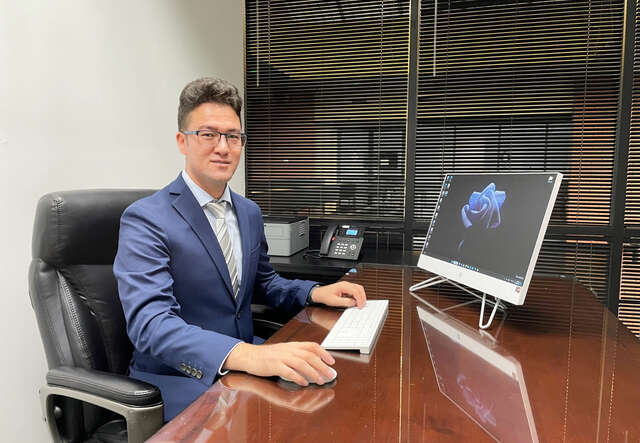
x,y
341,294
292,360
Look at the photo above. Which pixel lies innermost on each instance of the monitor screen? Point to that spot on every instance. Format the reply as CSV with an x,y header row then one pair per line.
x,y
487,229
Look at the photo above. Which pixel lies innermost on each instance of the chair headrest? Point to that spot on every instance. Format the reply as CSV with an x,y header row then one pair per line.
x,y
81,227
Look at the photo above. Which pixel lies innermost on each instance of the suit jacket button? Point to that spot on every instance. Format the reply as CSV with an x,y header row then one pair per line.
x,y
193,371
199,375
183,367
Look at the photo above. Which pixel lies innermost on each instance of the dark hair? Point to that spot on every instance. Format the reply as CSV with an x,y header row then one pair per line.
x,y
207,90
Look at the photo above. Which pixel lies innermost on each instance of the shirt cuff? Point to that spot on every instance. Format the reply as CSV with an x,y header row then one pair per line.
x,y
309,300
220,371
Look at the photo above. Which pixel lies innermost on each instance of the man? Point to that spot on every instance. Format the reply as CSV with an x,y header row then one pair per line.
x,y
193,256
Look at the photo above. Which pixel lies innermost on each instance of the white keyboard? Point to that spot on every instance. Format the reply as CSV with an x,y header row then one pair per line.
x,y
358,328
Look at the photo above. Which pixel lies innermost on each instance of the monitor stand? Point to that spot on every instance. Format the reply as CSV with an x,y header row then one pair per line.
x,y
495,302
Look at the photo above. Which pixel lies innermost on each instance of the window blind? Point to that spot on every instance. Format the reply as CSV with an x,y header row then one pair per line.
x,y
525,85
629,306
326,86
632,203
520,85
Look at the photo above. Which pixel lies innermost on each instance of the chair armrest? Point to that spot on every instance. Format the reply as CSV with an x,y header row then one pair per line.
x,y
264,312
267,321
138,402
114,387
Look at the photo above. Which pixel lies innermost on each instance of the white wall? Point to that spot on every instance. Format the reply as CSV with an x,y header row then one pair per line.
x,y
89,100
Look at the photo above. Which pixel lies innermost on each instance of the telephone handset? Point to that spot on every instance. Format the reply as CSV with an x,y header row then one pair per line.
x,y
342,241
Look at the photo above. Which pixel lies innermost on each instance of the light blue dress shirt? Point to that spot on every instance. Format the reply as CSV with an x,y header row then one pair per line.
x,y
203,198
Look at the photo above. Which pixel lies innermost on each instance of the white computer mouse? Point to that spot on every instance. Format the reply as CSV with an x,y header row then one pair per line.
x,y
326,380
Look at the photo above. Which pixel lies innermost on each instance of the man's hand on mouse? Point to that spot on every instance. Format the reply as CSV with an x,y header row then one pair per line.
x,y
296,360
341,294
293,361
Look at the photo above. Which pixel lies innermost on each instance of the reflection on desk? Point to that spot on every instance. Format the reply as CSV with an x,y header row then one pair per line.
x,y
579,363
481,378
238,397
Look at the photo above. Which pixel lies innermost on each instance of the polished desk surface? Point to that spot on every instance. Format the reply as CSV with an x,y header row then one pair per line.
x,y
559,368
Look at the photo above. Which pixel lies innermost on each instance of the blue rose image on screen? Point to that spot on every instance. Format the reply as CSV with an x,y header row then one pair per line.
x,y
483,209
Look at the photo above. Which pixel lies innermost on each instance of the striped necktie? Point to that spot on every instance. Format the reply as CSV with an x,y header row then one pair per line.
x,y
217,209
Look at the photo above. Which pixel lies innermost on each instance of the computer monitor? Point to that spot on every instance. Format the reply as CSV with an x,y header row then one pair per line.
x,y
487,230
478,376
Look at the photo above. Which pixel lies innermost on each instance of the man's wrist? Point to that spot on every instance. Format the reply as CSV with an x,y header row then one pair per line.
x,y
309,296
238,358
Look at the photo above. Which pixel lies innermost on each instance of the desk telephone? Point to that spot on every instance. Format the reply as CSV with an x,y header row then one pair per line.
x,y
342,241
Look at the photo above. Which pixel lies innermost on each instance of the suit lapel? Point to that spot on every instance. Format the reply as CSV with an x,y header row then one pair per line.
x,y
186,204
245,236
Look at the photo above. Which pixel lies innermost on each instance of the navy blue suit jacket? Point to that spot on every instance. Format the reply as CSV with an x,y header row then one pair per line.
x,y
176,292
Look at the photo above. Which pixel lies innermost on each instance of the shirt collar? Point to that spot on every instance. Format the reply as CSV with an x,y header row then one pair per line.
x,y
202,196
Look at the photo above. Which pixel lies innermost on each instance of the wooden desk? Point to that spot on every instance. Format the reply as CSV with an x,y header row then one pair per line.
x,y
560,368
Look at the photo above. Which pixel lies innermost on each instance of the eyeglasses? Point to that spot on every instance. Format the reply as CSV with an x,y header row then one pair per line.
x,y
210,138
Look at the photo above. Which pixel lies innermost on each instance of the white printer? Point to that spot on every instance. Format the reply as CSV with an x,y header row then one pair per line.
x,y
286,235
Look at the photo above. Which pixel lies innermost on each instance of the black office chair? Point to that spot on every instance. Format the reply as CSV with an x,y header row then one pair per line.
x,y
88,396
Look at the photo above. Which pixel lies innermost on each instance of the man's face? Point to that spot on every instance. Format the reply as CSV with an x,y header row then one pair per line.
x,y
210,167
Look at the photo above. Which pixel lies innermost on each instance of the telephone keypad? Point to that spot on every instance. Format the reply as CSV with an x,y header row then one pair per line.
x,y
346,248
